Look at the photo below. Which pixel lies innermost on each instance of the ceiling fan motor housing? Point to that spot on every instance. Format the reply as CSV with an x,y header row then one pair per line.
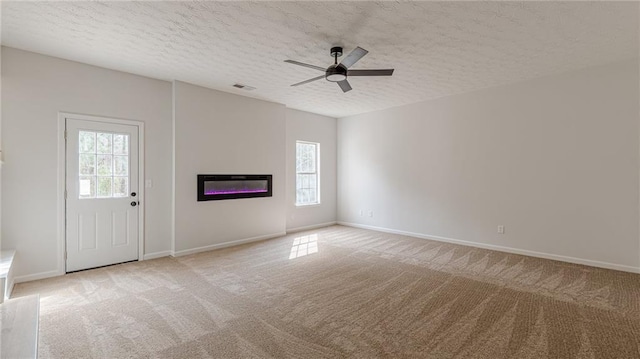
x,y
336,51
336,73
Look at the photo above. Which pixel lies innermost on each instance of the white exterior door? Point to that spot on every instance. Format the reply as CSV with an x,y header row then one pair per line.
x,y
102,198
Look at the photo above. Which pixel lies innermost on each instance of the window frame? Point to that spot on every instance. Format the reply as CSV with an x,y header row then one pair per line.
x,y
96,176
317,174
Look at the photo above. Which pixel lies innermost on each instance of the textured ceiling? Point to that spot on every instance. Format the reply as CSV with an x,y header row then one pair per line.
x,y
437,48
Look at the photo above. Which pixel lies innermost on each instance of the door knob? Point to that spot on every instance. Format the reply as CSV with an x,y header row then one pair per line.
x,y
134,203
133,194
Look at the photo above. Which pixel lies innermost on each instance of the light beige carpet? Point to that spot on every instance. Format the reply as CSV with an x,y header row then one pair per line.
x,y
341,292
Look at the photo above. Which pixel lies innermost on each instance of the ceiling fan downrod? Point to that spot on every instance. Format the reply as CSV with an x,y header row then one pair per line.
x,y
336,52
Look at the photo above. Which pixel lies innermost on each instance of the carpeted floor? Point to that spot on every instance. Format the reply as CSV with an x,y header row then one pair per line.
x,y
341,292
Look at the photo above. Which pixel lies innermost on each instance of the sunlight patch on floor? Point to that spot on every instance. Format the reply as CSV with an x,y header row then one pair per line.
x,y
304,245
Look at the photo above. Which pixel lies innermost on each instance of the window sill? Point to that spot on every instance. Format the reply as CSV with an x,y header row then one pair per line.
x,y
308,205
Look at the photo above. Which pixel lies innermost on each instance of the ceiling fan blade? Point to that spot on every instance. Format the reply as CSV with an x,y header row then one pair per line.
x,y
354,56
344,85
309,80
378,72
306,65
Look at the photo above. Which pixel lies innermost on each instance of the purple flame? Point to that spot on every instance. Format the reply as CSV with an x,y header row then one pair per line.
x,y
214,192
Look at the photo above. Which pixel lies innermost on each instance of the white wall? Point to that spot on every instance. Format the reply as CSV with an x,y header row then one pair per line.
x,y
555,160
305,126
35,89
215,132
222,133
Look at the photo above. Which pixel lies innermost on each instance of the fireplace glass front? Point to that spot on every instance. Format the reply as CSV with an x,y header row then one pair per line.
x,y
216,187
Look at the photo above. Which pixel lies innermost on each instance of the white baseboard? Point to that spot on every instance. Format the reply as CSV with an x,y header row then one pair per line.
x,y
155,255
55,273
185,252
313,226
494,247
36,276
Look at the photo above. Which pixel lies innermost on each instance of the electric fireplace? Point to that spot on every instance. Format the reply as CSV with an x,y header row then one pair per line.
x,y
216,187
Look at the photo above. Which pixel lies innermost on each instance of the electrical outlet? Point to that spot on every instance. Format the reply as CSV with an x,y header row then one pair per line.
x,y
500,229
370,213
361,213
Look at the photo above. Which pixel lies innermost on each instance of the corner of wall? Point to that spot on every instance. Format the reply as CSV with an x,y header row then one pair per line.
x,y
312,127
481,165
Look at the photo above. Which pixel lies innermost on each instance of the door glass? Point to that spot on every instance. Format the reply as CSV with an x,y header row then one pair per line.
x,y
103,165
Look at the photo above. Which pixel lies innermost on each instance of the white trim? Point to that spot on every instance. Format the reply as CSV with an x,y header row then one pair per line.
x,y
227,244
62,182
10,286
6,273
6,262
308,205
524,252
62,169
173,166
313,226
157,255
141,188
36,276
318,201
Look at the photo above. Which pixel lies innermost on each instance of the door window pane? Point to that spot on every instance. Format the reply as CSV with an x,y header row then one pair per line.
x,y
87,187
105,168
103,161
121,165
87,142
104,187
120,144
104,143
120,188
87,164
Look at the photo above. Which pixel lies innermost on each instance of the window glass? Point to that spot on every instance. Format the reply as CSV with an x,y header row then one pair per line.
x,y
103,165
307,173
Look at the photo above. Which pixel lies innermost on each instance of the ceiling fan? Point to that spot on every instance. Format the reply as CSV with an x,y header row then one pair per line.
x,y
339,72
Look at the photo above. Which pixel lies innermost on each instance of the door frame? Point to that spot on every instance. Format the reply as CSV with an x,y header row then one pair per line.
x,y
62,180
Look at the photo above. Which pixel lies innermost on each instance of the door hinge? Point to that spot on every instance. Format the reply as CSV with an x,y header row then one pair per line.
x,y
65,135
65,194
65,255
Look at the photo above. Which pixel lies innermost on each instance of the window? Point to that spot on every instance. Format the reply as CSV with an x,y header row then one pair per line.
x,y
307,170
104,165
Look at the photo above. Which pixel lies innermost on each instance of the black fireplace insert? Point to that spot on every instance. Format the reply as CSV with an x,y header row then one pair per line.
x,y
217,187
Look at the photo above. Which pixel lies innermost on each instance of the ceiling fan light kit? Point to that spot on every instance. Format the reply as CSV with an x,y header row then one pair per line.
x,y
338,72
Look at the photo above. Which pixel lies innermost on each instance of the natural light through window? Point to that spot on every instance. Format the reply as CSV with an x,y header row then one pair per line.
x,y
303,246
104,165
307,173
